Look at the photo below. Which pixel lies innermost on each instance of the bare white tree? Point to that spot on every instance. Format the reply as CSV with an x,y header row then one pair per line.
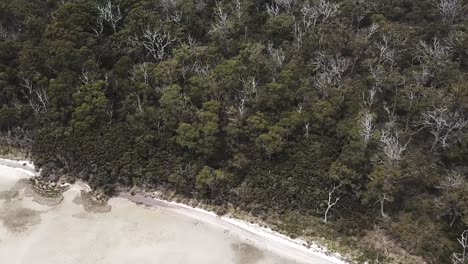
x,y
321,12
277,55
462,257
386,52
110,14
336,66
391,145
99,27
307,129
222,23
298,35
139,73
377,72
392,117
450,10
277,6
250,87
331,203
286,4
310,15
382,199
36,95
241,104
366,121
365,34
110,112
436,53
330,72
169,8
369,98
156,42
201,69
322,82
327,10
273,9
87,76
442,124
420,78
138,103
238,9
451,182
372,30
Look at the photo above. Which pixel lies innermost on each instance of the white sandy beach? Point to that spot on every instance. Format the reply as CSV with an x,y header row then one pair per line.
x,y
130,233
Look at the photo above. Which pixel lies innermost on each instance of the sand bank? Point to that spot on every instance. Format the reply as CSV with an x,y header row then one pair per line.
x,y
259,236
167,233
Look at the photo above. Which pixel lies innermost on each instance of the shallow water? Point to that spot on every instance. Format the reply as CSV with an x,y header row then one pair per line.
x,y
66,234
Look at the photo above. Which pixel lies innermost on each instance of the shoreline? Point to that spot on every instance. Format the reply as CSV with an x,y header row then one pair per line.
x,y
261,236
25,166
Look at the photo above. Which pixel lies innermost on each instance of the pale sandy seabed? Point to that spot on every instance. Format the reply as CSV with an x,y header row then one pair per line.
x,y
129,233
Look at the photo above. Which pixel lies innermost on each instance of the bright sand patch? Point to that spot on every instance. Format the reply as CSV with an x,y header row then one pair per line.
x,y
129,233
9,176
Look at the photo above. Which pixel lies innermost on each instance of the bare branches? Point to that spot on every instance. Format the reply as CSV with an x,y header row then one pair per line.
x,y
462,257
86,76
330,72
298,35
386,52
382,199
442,124
241,104
329,202
286,4
36,96
391,145
156,42
139,73
372,30
367,125
277,6
223,23
250,86
273,9
435,54
318,13
248,93
369,98
452,180
201,69
276,55
110,14
238,9
450,10
169,7
366,118
326,10
99,27
310,16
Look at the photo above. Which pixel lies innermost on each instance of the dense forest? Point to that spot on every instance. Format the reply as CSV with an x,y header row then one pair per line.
x,y
350,111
